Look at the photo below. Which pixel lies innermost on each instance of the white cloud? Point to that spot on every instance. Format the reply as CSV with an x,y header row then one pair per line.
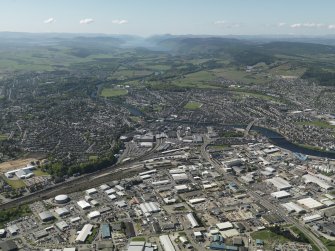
x,y
86,21
118,21
49,20
331,26
281,24
307,25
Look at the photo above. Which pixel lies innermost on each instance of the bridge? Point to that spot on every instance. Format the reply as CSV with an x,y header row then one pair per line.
x,y
247,130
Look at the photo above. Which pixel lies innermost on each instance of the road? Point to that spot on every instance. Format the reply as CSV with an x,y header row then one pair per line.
x,y
281,212
269,205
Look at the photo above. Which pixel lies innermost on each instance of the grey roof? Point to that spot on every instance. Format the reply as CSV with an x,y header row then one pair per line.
x,y
8,246
45,216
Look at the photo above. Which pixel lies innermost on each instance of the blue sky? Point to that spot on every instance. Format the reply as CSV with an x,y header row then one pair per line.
x,y
148,17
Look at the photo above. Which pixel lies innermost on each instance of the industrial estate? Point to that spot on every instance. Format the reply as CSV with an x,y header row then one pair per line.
x,y
191,143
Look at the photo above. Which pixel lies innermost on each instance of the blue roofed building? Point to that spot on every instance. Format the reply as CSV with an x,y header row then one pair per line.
x,y
105,231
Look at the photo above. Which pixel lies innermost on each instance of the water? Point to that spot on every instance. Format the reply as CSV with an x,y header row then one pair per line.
x,y
278,140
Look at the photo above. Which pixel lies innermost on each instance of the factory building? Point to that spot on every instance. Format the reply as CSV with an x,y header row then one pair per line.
x,y
280,194
84,233
46,216
149,207
105,231
166,243
93,215
192,220
61,212
310,203
308,178
91,191
279,183
83,204
292,207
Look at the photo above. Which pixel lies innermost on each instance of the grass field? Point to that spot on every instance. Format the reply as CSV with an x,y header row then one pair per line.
x,y
138,238
239,75
269,238
192,105
39,172
3,137
93,158
317,123
111,92
15,184
255,95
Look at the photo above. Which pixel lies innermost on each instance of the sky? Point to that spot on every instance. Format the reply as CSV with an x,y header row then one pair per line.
x,y
150,17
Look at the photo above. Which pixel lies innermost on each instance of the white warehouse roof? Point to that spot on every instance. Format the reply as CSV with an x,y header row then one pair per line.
x,y
83,204
192,220
84,233
91,191
279,183
292,207
280,194
224,225
166,243
312,179
93,214
310,203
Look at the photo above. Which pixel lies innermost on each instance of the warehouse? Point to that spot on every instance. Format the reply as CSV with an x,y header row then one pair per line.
x,y
196,200
62,225
224,226
192,220
280,194
120,188
112,197
315,180
292,207
40,234
46,216
149,207
84,204
181,188
104,187
310,203
110,191
62,211
160,182
24,173
166,243
105,231
84,233
311,218
93,215
91,191
279,183
180,177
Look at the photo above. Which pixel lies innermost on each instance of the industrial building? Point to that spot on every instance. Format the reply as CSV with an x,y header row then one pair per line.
x,y
192,220
166,243
149,207
196,200
46,216
83,204
93,215
62,211
105,231
310,203
279,183
84,233
224,226
62,225
91,191
292,207
280,194
308,178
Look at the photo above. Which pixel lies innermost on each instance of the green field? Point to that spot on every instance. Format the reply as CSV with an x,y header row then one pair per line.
x,y
317,123
192,105
138,238
269,238
15,184
255,95
93,158
111,92
3,137
39,172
